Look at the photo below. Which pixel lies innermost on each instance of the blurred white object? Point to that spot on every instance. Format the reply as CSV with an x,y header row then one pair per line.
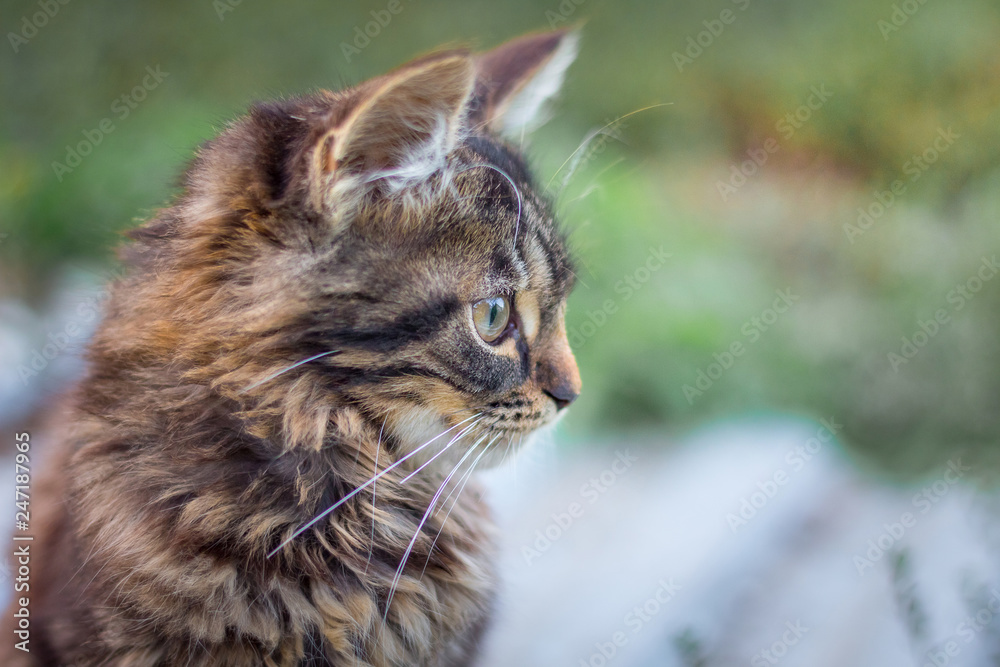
x,y
41,352
776,550
18,325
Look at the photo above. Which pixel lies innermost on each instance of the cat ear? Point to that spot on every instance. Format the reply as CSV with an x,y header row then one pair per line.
x,y
404,125
516,80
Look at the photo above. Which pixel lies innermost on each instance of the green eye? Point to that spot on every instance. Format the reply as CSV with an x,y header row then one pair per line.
x,y
491,316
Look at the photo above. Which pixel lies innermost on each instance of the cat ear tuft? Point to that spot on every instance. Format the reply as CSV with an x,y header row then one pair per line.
x,y
518,79
405,124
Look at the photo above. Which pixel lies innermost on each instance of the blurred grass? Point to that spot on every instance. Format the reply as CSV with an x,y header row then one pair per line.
x,y
658,187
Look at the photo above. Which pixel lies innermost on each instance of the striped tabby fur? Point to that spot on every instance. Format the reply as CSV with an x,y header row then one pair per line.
x,y
296,323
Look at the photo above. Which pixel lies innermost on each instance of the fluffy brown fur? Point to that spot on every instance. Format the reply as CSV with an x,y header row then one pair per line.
x,y
353,230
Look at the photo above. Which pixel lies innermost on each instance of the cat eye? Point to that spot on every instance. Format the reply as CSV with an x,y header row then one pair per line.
x,y
491,317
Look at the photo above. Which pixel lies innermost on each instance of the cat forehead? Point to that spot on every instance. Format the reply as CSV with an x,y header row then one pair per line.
x,y
484,191
486,220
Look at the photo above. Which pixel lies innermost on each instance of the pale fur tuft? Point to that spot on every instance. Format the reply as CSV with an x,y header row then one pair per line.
x,y
422,161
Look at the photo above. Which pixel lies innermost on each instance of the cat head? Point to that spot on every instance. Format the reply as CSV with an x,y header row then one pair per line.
x,y
383,248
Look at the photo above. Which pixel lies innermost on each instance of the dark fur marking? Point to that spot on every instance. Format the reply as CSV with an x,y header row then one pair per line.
x,y
409,327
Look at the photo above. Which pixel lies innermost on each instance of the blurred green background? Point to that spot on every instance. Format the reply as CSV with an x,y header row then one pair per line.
x,y
885,81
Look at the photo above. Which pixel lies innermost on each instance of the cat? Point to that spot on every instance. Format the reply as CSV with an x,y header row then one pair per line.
x,y
357,299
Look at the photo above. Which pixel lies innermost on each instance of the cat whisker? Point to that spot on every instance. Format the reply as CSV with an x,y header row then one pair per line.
x,y
514,462
577,158
312,522
443,449
510,444
467,473
460,487
285,370
590,137
416,534
517,191
592,187
378,448
476,460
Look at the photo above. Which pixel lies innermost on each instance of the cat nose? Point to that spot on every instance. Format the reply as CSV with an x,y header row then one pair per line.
x,y
557,374
563,394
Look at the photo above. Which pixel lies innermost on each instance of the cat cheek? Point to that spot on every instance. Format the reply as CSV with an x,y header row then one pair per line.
x,y
528,310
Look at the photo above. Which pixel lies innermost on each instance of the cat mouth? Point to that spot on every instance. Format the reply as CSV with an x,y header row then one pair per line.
x,y
523,424
518,428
